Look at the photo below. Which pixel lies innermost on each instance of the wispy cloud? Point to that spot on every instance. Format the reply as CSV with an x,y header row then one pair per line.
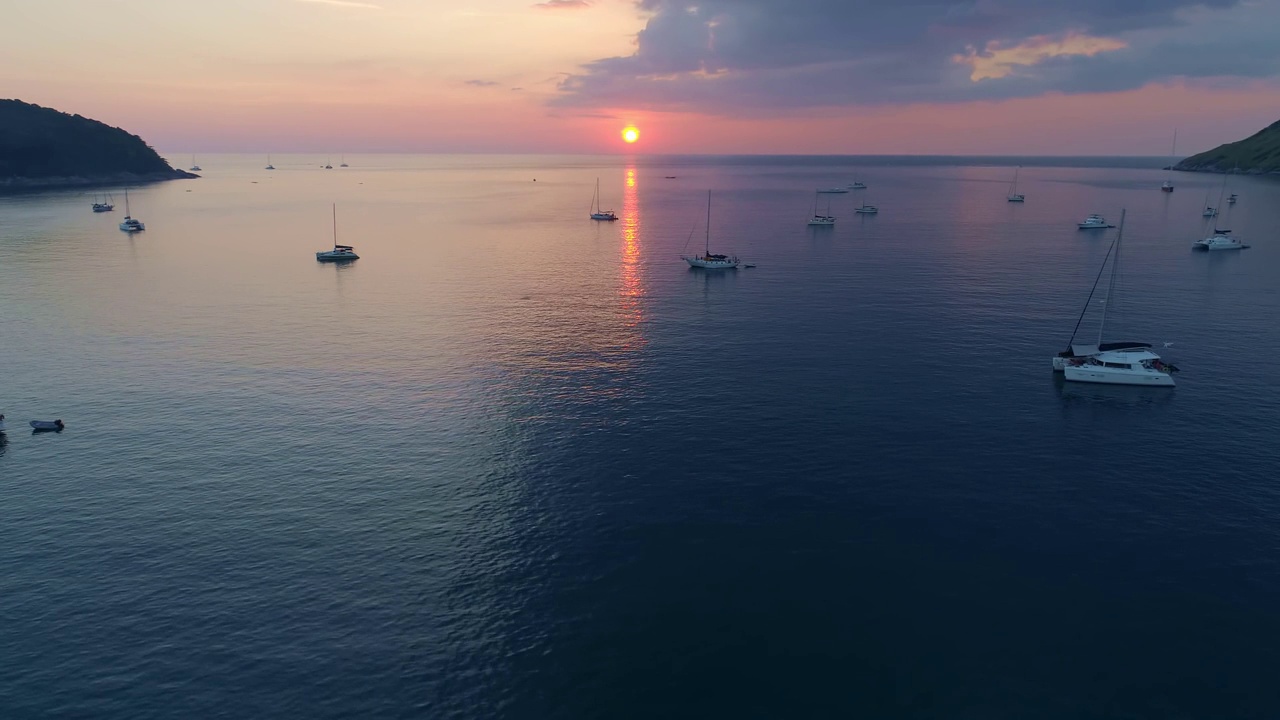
x,y
563,4
480,83
1002,59
344,3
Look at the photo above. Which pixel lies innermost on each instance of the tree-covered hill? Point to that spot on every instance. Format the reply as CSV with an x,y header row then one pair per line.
x,y
42,147
1258,154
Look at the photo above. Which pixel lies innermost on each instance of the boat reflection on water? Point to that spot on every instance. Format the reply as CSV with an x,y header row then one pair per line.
x,y
1086,395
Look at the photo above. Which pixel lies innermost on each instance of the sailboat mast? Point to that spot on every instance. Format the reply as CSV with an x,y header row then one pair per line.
x,y
1111,286
1173,151
335,224
708,222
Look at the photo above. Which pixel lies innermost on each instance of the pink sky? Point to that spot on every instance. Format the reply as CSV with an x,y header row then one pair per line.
x,y
426,76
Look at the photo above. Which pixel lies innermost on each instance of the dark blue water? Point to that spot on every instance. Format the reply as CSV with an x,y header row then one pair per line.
x,y
514,464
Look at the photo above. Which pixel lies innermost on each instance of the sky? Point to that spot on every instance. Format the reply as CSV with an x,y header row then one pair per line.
x,y
962,77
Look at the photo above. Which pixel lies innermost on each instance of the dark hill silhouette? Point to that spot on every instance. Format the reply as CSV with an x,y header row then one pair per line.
x,y
41,147
1257,154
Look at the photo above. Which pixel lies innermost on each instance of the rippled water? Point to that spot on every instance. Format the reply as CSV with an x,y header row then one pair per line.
x,y
513,463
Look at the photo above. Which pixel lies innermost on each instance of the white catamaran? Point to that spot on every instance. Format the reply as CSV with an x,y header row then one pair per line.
x,y
1114,363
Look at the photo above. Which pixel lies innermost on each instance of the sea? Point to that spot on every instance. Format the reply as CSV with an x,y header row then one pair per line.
x,y
515,463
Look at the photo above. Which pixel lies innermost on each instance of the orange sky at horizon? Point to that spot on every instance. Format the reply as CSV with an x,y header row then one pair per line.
x,y
309,76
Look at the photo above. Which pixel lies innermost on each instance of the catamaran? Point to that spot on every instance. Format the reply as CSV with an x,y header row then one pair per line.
x,y
107,204
596,212
339,253
194,166
707,260
130,224
1114,363
826,219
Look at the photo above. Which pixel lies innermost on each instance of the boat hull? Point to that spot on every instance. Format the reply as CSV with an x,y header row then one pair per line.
x,y
697,262
330,257
1114,376
604,216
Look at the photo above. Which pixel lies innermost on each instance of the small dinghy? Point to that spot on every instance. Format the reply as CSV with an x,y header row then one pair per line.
x,y
47,425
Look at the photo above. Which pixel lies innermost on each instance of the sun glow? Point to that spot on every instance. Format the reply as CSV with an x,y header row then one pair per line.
x,y
630,134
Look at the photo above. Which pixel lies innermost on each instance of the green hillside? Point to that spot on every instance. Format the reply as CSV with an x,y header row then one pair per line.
x,y
42,147
1259,153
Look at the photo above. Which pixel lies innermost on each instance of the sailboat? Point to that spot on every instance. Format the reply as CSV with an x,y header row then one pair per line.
x,y
107,204
344,162
1114,363
327,166
269,165
339,253
1209,210
194,166
1168,181
130,224
707,260
1220,239
827,219
596,212
1014,195
856,185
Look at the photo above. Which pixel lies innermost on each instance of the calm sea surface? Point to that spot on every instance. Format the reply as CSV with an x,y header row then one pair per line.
x,y
513,463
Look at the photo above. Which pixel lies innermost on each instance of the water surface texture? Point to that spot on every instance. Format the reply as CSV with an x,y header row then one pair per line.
x,y
514,463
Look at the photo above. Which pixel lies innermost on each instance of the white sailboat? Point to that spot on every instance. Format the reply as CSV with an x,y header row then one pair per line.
x,y
130,224
707,260
1173,149
1114,363
106,204
824,220
343,162
834,190
596,212
269,165
866,209
1014,195
194,166
856,185
339,253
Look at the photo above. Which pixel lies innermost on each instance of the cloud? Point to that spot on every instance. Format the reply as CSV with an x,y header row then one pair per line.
x,y
344,3
481,83
999,60
564,4
770,57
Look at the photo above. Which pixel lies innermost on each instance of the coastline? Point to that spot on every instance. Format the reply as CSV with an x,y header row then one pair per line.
x,y
1215,169
13,185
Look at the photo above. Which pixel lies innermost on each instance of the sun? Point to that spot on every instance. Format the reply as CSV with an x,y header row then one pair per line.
x,y
630,134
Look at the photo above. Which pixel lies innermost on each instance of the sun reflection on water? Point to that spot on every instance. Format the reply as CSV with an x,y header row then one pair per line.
x,y
632,289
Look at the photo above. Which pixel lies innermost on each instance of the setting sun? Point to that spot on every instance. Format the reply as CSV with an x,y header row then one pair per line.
x,y
630,134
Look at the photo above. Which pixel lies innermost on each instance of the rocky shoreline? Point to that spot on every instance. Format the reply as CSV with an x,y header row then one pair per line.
x,y
24,184
1212,168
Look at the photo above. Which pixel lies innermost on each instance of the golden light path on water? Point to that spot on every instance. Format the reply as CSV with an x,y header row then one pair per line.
x,y
632,289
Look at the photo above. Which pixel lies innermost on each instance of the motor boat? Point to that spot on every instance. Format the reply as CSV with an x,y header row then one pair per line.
x,y
1094,222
